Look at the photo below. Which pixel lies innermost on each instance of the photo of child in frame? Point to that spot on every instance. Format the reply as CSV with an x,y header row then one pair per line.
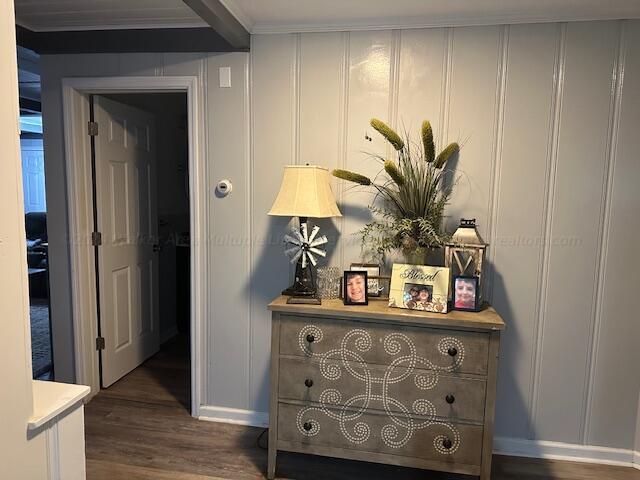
x,y
417,296
465,293
355,288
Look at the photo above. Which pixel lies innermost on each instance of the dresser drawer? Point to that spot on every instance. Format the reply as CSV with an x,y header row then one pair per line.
x,y
396,434
333,382
435,349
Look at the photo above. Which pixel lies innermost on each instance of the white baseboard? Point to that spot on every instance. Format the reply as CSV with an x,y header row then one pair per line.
x,y
565,451
233,415
168,334
515,447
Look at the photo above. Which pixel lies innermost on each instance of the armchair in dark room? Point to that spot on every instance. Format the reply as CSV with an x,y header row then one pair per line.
x,y
37,253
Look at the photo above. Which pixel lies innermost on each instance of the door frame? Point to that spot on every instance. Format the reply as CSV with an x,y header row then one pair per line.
x,y
75,104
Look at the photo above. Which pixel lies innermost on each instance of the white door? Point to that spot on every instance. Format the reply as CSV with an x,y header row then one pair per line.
x,y
125,156
33,175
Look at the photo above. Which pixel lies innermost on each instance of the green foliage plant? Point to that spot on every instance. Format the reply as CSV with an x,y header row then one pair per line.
x,y
414,191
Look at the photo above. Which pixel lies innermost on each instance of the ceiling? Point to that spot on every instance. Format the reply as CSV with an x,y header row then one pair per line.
x,y
272,16
52,15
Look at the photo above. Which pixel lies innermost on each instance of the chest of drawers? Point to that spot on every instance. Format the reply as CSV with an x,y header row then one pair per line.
x,y
384,385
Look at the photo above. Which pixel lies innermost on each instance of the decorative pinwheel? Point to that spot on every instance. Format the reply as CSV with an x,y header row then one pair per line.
x,y
302,246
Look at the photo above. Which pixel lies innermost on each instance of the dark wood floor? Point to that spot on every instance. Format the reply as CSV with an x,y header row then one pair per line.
x,y
140,429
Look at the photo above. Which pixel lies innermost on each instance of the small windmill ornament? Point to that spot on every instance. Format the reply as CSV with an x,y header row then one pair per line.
x,y
305,192
304,247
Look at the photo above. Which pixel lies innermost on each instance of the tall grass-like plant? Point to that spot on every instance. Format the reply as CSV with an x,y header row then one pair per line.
x,y
413,195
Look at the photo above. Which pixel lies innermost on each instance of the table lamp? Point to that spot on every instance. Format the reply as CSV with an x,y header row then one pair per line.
x,y
305,192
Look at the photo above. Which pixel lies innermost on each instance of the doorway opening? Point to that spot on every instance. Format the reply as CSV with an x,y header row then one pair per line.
x,y
140,169
119,329
35,209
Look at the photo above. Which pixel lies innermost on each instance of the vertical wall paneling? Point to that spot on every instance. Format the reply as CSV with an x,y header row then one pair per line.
x,y
394,74
228,341
580,179
181,64
368,96
295,101
199,231
548,195
273,61
603,230
474,69
617,355
496,155
547,118
637,442
528,113
320,117
420,81
248,195
447,60
343,115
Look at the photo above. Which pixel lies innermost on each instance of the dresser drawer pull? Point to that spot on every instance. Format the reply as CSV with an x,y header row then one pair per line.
x,y
447,444
308,383
450,399
307,426
311,338
453,351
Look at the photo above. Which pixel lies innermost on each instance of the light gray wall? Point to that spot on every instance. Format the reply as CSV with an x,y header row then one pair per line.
x,y
230,148
549,151
637,445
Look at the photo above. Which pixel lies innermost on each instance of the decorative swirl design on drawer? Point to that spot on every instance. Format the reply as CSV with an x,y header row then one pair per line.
x,y
403,420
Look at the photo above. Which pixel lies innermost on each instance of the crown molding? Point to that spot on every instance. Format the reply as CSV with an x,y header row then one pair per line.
x,y
255,27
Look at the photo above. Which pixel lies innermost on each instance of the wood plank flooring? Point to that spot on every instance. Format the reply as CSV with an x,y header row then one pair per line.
x,y
140,429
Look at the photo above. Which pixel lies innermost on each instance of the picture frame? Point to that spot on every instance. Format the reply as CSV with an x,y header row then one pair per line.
x,y
373,274
465,293
354,287
419,287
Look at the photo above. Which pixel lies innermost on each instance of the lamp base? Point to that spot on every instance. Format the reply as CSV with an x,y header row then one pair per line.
x,y
303,285
299,290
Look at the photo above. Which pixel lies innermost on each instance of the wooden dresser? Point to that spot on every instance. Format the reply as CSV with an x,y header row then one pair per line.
x,y
384,385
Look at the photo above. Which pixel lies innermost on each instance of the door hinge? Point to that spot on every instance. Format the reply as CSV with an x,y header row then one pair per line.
x,y
92,129
96,239
100,343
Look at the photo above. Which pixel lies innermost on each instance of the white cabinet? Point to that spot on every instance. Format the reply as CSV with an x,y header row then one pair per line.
x,y
58,414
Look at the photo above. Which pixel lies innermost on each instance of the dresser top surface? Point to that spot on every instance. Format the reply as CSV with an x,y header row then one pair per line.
x,y
487,319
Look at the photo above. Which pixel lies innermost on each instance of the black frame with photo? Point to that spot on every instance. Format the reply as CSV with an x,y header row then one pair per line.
x,y
476,304
345,296
373,272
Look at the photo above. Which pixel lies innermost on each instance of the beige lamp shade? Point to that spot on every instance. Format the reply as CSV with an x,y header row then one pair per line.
x,y
305,192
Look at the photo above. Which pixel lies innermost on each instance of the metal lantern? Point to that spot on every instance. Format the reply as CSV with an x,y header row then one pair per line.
x,y
464,255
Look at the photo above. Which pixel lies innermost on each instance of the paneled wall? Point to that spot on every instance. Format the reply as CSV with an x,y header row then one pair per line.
x,y
637,443
545,115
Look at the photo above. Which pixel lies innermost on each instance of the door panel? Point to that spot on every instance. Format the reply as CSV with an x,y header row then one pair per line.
x,y
127,218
